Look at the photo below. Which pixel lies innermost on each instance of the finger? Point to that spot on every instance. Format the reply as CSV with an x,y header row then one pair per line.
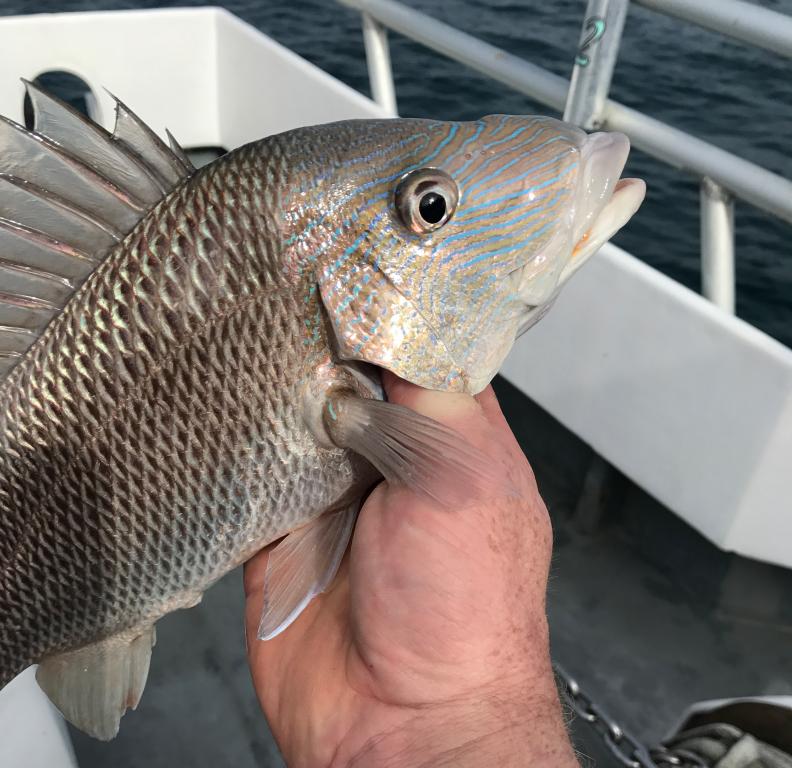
x,y
254,572
407,394
453,409
467,415
254,604
488,401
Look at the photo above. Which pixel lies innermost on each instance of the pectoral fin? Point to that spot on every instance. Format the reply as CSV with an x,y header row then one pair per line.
x,y
302,566
93,686
412,450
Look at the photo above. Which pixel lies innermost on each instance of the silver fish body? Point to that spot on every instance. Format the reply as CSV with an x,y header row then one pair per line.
x,y
168,422
154,437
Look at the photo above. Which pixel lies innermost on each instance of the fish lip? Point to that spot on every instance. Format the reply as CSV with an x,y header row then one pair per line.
x,y
602,160
605,200
624,201
602,202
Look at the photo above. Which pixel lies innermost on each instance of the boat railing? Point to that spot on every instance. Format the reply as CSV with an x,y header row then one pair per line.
x,y
723,176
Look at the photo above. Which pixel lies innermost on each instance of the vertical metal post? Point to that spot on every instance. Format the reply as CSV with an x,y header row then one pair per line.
x,y
588,91
717,245
596,496
375,37
594,62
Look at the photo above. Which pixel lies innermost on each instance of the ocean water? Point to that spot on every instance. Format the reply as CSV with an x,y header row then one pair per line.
x,y
738,97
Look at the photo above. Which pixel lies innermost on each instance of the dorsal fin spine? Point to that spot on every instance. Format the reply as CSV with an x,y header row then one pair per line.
x,y
78,165
57,200
179,153
46,240
33,302
32,271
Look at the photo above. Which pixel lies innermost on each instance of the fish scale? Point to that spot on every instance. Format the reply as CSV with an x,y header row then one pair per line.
x,y
206,414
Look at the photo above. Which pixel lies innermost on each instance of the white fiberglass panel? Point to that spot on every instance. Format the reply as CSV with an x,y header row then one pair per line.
x,y
692,404
34,733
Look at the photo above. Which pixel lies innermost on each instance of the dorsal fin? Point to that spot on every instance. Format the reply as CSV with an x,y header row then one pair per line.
x,y
69,190
93,145
179,152
137,137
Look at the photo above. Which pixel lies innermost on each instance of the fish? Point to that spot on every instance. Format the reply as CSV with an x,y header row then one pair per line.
x,y
191,358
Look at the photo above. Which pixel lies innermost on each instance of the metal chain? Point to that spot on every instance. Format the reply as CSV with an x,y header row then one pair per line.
x,y
625,748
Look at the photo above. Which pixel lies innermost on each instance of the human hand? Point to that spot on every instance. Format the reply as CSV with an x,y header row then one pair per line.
x,y
431,646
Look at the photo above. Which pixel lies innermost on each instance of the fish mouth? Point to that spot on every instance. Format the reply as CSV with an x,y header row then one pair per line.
x,y
603,204
605,201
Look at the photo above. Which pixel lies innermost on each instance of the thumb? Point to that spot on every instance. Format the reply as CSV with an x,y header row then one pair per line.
x,y
456,410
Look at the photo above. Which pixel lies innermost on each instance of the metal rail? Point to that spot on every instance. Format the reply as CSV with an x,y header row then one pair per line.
x,y
747,22
596,57
717,245
723,175
375,38
521,75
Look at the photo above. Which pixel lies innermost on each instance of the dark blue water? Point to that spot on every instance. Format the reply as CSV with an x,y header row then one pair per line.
x,y
735,96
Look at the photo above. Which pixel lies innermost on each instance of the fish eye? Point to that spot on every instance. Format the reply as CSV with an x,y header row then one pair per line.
x,y
426,199
432,207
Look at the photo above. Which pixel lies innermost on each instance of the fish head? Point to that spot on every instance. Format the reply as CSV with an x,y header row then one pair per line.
x,y
460,236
